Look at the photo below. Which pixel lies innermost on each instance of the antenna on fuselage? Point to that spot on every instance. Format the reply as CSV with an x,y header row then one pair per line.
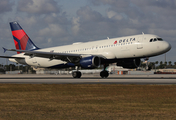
x,y
108,38
142,33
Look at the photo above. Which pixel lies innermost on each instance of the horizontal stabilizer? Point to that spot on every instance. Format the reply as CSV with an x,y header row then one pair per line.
x,y
4,49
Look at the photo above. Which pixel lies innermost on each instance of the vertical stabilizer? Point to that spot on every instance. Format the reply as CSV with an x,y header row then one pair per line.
x,y
21,39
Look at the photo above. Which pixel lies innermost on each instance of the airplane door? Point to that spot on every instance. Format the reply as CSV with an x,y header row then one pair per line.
x,y
139,42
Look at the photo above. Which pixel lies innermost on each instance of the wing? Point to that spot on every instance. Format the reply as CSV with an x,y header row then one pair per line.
x,y
73,58
11,57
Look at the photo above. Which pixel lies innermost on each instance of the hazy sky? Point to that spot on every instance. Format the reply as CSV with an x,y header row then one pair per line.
x,y
59,22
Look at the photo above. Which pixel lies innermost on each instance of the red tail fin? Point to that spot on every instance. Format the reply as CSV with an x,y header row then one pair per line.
x,y
21,39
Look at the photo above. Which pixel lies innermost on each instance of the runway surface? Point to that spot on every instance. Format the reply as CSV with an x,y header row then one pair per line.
x,y
88,79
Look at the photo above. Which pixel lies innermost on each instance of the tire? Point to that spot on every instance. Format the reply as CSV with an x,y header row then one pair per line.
x,y
76,74
104,74
79,74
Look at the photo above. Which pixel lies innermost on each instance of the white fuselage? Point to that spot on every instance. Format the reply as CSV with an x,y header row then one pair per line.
x,y
137,46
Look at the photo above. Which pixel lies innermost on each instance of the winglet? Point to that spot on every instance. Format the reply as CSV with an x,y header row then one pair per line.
x,y
4,49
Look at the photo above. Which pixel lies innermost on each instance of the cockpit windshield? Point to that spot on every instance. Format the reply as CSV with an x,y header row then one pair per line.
x,y
160,39
156,39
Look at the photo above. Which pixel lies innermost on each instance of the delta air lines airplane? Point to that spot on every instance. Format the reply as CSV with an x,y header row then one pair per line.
x,y
124,51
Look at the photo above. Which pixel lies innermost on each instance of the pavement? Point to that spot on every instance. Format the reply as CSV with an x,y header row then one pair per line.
x,y
88,79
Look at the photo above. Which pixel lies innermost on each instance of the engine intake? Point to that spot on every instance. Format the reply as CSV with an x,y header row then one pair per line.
x,y
90,62
129,63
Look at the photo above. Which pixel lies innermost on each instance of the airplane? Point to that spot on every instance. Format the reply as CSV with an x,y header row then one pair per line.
x,y
124,51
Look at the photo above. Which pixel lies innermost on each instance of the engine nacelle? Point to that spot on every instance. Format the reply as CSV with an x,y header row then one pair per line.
x,y
129,63
90,62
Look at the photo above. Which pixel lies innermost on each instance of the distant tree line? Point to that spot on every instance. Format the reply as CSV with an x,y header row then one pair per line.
x,y
13,67
26,68
160,65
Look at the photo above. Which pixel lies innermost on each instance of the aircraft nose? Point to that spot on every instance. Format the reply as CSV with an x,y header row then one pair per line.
x,y
166,46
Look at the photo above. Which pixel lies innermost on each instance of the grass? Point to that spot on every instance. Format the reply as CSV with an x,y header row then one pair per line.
x,y
87,101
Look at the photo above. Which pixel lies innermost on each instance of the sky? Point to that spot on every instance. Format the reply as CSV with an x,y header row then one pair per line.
x,y
52,23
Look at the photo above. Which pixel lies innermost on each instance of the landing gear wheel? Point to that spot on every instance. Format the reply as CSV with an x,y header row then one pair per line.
x,y
76,74
104,74
79,74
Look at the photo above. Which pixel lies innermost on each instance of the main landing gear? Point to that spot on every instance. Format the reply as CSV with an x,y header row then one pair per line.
x,y
76,74
104,73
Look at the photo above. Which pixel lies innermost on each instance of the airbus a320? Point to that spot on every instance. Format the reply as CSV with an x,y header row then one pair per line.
x,y
124,51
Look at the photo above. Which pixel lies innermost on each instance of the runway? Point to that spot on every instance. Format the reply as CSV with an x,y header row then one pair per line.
x,y
88,79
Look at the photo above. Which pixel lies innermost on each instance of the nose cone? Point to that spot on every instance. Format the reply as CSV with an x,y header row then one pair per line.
x,y
166,46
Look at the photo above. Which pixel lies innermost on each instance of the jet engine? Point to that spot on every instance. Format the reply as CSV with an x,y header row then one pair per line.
x,y
129,63
90,62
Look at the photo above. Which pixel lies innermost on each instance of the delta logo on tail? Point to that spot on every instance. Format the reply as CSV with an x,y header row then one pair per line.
x,y
21,39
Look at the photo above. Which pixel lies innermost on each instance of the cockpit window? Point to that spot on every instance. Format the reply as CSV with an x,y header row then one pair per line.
x,y
160,39
156,39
